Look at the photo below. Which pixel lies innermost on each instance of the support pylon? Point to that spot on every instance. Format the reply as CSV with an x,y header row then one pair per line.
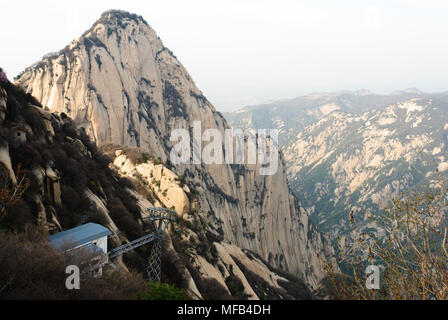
x,y
159,219
154,268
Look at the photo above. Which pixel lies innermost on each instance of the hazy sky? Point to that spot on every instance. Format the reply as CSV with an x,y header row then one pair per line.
x,y
246,52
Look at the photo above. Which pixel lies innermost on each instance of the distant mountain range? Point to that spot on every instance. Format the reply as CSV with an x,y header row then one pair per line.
x,y
291,116
352,151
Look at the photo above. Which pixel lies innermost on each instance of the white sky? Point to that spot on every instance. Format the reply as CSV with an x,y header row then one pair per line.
x,y
244,52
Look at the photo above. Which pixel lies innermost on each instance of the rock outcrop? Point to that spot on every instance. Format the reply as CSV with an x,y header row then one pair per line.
x,y
5,160
164,182
123,86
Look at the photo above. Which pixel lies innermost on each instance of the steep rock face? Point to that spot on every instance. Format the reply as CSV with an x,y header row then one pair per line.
x,y
122,85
